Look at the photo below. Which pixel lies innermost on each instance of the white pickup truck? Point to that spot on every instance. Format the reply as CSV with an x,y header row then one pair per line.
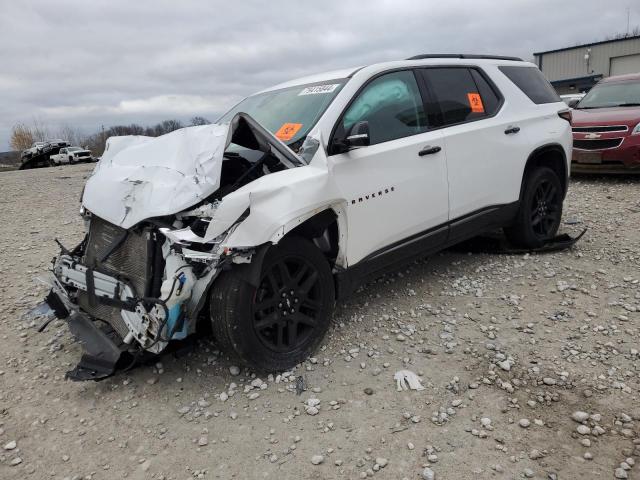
x,y
71,155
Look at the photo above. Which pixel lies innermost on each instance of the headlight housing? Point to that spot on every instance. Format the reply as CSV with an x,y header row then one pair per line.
x,y
636,130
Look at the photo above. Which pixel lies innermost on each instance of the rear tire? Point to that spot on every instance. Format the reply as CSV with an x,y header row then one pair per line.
x,y
540,210
281,322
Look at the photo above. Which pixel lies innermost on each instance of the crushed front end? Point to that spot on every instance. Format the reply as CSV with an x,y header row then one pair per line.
x,y
128,291
157,212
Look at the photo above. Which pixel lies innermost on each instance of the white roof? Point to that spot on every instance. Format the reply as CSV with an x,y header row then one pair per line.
x,y
347,72
318,77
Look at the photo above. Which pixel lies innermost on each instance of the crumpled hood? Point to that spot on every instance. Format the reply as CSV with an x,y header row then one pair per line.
x,y
143,177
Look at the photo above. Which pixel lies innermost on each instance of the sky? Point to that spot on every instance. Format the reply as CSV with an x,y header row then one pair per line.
x,y
88,63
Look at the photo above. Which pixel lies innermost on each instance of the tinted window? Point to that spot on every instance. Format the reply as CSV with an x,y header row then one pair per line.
x,y
460,95
391,104
533,83
490,98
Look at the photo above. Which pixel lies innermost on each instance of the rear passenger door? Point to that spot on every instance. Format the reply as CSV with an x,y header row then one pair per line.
x,y
485,149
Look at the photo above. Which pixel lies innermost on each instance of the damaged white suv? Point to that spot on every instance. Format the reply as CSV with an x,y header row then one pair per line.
x,y
259,222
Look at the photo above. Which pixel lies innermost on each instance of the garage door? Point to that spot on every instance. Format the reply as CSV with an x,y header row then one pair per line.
x,y
626,64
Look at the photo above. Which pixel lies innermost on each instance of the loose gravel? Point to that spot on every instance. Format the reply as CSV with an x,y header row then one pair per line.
x,y
530,365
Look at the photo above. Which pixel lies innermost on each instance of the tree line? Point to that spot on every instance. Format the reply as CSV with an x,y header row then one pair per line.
x,y
23,135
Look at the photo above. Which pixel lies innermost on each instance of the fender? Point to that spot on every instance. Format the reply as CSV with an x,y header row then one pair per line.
x,y
250,272
538,153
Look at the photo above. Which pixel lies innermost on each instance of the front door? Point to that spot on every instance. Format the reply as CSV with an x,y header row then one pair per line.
x,y
396,188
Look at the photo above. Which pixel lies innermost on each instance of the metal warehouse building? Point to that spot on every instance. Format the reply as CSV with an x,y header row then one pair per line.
x,y
577,69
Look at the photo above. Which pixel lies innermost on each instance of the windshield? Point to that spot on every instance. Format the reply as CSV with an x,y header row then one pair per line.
x,y
73,149
289,113
612,95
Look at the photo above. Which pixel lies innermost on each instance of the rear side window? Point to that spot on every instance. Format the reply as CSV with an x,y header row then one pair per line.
x,y
532,83
460,95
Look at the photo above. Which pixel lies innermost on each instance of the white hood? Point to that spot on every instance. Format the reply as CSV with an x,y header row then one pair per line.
x,y
143,177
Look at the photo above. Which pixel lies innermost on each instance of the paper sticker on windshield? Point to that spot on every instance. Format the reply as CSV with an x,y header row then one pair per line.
x,y
287,131
318,89
475,102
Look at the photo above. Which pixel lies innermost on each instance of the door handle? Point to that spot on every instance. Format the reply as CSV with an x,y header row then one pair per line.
x,y
512,130
429,150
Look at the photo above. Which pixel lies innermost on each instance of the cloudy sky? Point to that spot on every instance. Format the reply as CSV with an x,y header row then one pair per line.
x,y
103,62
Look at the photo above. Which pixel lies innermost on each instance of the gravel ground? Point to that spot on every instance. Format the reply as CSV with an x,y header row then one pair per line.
x,y
530,366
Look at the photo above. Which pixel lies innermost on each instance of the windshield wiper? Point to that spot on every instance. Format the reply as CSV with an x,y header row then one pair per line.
x,y
629,104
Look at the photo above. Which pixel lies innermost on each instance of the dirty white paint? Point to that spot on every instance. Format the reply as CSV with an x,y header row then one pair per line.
x,y
141,177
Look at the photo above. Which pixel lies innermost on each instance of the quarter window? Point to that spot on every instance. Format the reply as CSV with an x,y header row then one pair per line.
x,y
533,83
391,104
460,95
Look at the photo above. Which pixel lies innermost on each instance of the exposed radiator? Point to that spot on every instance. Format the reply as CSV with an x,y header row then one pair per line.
x,y
129,261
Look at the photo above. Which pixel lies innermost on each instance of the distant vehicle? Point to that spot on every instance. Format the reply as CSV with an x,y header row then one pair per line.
x,y
36,149
572,97
58,142
71,155
606,127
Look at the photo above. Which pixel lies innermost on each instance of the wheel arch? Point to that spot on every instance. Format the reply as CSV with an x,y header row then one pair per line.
x,y
325,228
551,155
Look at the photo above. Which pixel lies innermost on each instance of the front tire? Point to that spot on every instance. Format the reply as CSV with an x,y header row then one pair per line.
x,y
281,322
540,211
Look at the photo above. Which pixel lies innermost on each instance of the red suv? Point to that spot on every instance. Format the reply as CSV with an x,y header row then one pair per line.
x,y
606,127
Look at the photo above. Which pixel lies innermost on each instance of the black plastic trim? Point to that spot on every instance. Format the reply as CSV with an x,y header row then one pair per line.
x,y
424,243
538,151
465,56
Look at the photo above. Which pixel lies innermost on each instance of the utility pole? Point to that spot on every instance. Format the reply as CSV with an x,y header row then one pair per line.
x,y
628,16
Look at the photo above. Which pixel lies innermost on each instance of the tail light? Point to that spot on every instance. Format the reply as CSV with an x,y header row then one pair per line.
x,y
565,115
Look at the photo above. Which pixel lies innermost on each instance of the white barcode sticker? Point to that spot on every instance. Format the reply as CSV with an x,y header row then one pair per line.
x,y
318,89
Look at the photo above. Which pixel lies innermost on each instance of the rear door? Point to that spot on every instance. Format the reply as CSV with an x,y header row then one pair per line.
x,y
396,188
485,147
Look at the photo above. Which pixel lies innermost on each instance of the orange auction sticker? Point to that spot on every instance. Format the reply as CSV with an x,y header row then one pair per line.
x,y
475,102
288,130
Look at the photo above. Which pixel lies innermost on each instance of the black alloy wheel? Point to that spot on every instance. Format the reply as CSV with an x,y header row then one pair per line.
x,y
287,304
545,209
280,320
540,210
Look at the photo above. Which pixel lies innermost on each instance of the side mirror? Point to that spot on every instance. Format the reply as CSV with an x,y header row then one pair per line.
x,y
358,135
573,103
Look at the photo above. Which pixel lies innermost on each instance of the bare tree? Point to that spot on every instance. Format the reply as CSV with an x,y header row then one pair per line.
x,y
41,132
21,137
71,134
167,126
199,121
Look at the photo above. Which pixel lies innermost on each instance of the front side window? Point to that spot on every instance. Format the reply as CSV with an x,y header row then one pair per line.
x,y
391,104
459,94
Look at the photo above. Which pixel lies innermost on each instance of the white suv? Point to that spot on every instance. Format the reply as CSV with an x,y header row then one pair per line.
x,y
301,192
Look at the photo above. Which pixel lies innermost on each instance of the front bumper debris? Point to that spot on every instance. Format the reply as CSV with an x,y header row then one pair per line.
x,y
497,244
100,354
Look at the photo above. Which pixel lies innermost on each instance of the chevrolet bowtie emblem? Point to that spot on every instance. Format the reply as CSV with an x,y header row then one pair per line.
x,y
591,136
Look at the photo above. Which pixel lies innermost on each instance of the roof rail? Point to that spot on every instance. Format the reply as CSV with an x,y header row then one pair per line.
x,y
461,55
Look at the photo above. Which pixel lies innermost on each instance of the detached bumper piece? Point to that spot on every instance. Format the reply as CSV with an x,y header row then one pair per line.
x,y
497,244
100,354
